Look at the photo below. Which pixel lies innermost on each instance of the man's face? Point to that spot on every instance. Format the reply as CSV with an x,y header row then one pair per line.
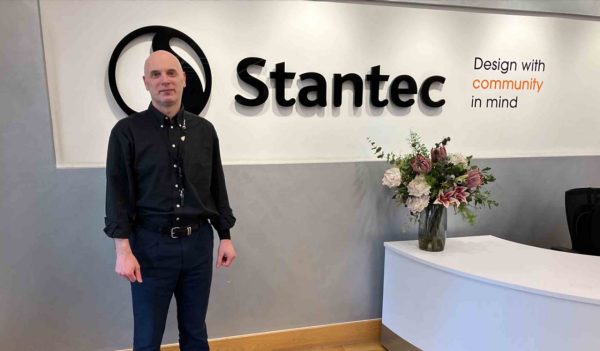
x,y
164,79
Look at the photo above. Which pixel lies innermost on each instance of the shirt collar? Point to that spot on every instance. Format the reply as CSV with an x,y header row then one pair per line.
x,y
160,117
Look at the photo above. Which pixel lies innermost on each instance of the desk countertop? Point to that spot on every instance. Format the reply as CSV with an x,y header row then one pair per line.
x,y
497,261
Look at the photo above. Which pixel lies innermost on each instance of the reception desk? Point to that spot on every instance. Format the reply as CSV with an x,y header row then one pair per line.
x,y
486,293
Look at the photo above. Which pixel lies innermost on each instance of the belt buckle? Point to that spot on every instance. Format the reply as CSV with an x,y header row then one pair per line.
x,y
188,232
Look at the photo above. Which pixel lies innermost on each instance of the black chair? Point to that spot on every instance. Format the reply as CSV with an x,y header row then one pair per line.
x,y
583,218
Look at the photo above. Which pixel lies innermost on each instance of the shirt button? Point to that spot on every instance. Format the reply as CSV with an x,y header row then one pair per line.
x,y
177,186
162,125
171,127
175,165
177,218
178,205
173,145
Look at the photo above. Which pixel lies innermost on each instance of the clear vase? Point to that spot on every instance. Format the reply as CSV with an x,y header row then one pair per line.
x,y
432,228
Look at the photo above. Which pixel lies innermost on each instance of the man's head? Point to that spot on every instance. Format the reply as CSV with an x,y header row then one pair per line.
x,y
164,79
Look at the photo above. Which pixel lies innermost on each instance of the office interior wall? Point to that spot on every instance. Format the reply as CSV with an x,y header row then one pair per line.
x,y
309,237
551,74
561,7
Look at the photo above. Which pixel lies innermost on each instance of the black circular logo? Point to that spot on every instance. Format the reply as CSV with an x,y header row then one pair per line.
x,y
195,97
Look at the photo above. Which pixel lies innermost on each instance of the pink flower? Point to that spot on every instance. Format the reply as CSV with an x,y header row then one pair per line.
x,y
452,197
445,199
421,164
438,153
474,178
460,194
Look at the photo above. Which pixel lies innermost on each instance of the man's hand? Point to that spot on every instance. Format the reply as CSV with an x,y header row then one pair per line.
x,y
127,265
226,253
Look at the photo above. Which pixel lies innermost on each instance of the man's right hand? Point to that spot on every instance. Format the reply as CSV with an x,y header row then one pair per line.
x,y
127,265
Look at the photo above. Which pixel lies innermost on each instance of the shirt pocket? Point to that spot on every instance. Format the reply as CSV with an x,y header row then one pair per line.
x,y
198,164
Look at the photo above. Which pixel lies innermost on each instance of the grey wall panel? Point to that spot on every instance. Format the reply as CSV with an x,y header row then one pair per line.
x,y
309,237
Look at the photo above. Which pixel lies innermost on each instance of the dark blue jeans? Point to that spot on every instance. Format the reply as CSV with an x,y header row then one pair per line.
x,y
180,267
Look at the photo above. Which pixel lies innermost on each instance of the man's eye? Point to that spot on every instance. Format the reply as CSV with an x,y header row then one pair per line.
x,y
172,73
154,74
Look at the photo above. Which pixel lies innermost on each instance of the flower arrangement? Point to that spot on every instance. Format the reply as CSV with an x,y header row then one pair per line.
x,y
422,178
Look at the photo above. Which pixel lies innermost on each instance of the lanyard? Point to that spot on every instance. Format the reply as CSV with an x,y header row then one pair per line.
x,y
178,160
180,145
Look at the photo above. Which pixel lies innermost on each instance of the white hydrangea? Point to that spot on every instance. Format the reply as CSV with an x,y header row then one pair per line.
x,y
417,204
392,178
418,187
459,160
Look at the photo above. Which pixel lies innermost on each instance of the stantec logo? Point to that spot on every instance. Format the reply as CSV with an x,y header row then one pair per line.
x,y
195,96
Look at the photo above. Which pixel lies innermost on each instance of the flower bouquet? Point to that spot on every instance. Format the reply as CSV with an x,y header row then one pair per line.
x,y
430,182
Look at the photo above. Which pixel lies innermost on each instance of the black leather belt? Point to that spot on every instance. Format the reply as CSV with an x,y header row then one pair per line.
x,y
173,232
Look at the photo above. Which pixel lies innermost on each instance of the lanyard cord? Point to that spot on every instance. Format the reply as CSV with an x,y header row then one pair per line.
x,y
178,158
181,143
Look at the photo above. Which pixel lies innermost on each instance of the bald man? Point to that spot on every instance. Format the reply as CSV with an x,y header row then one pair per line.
x,y
165,192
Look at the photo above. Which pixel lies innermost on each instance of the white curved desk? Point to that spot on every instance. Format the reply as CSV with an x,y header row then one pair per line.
x,y
486,293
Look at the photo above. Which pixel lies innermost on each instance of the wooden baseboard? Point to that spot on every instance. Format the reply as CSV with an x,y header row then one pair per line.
x,y
296,339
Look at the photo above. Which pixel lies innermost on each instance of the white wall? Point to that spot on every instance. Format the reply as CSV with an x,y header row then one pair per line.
x,y
556,117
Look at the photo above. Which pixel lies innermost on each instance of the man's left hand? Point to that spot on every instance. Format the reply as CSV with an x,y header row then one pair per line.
x,y
226,253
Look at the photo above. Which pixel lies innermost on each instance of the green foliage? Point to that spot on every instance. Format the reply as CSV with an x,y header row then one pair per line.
x,y
417,145
466,213
389,157
443,177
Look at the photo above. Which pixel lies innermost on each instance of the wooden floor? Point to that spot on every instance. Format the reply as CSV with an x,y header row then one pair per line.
x,y
364,346
348,336
368,346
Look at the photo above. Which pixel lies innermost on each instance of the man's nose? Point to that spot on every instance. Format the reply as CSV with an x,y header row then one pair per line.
x,y
164,80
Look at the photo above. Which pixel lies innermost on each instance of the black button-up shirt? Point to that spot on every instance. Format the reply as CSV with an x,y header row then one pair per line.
x,y
166,172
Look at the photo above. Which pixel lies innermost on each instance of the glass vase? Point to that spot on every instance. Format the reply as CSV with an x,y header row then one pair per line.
x,y
432,228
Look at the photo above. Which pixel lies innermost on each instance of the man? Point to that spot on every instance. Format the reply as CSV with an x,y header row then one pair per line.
x,y
165,188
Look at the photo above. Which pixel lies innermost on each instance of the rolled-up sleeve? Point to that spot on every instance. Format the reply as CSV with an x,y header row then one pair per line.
x,y
120,190
225,220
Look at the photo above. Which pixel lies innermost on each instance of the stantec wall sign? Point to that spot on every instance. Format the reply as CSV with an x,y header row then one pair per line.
x,y
402,89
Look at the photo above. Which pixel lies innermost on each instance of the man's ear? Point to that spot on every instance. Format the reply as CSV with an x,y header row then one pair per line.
x,y
144,80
